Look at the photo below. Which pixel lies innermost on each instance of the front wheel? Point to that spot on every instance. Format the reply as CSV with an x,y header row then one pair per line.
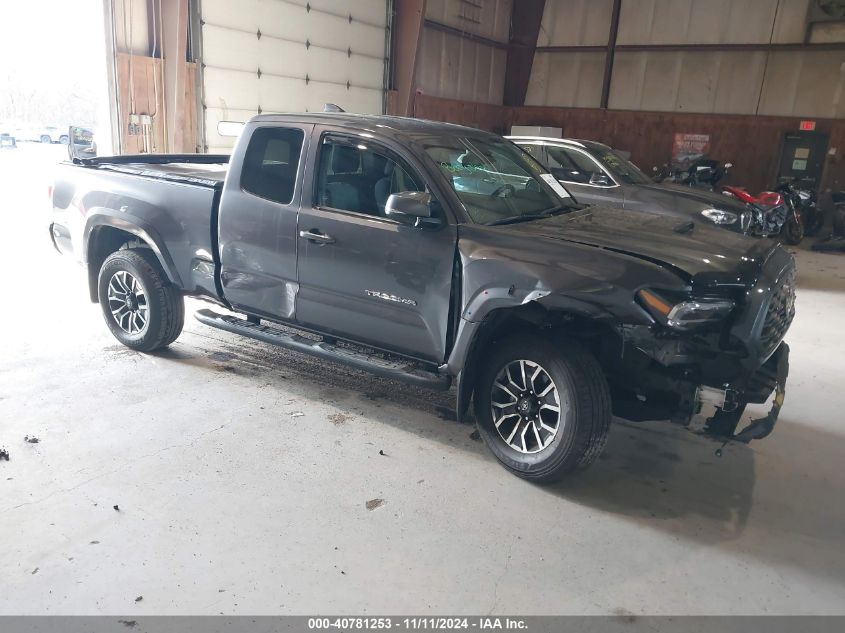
x,y
46,139
542,407
793,230
143,310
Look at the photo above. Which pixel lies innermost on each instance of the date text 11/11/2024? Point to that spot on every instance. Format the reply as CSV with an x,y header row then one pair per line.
x,y
419,623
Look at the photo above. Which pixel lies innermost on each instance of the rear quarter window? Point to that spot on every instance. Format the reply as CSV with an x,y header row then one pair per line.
x,y
271,163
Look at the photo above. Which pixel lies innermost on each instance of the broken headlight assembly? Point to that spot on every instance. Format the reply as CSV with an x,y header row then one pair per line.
x,y
717,216
686,314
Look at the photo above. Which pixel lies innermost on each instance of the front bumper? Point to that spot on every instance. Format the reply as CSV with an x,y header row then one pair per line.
x,y
762,427
672,376
771,377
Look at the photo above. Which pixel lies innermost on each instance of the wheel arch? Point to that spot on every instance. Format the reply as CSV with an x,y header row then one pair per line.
x,y
566,316
106,234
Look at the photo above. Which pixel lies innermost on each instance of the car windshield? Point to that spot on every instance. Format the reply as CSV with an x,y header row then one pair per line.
x,y
496,182
620,167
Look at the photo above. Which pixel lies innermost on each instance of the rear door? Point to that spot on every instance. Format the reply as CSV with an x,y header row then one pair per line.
x,y
257,221
363,276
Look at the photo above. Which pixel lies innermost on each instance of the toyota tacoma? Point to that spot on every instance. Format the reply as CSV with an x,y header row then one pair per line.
x,y
441,256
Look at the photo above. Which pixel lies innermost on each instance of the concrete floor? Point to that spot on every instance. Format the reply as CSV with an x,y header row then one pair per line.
x,y
241,473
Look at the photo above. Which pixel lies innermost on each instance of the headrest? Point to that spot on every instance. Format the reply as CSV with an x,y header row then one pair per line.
x,y
345,159
373,164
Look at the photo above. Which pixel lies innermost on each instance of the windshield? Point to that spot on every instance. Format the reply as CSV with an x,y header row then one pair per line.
x,y
495,180
621,168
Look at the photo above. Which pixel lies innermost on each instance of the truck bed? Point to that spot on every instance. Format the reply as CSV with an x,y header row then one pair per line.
x,y
171,199
207,170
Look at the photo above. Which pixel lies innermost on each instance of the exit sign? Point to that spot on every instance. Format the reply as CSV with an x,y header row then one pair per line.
x,y
807,126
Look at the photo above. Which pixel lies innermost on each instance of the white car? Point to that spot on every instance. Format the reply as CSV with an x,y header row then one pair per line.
x,y
42,134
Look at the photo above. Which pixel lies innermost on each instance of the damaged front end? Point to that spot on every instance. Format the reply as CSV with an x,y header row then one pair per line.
x,y
724,350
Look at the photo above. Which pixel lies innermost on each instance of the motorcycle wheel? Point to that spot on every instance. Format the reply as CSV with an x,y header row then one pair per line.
x,y
793,231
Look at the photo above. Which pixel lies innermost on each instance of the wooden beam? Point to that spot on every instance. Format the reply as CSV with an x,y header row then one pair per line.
x,y
610,54
525,28
174,50
408,19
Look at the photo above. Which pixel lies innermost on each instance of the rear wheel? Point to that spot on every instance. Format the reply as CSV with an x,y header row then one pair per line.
x,y
143,310
542,407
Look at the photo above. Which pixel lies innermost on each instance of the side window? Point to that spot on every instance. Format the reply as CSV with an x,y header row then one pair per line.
x,y
574,166
271,162
360,178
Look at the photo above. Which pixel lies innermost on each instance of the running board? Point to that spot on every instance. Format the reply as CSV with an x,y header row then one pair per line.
x,y
405,371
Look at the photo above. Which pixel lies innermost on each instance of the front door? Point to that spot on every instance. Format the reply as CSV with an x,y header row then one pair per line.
x,y
803,157
362,275
583,177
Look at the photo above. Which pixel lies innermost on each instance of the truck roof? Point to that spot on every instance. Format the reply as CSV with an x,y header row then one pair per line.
x,y
395,123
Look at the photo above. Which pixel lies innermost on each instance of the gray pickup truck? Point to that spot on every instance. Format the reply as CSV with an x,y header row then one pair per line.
x,y
363,240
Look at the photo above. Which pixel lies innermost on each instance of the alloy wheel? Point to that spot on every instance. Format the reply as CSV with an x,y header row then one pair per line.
x,y
526,406
128,302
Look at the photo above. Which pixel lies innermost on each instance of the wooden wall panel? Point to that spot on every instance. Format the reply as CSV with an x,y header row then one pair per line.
x,y
752,144
140,90
145,75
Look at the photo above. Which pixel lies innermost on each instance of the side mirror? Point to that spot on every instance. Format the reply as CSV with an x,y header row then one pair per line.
x,y
410,207
81,143
600,179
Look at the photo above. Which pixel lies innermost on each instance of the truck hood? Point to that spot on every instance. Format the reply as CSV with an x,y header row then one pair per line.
x,y
704,250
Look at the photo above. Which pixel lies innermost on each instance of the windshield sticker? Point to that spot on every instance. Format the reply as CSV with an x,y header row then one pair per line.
x,y
552,182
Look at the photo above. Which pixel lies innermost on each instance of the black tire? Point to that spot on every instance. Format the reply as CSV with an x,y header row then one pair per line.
x,y
164,302
583,426
793,230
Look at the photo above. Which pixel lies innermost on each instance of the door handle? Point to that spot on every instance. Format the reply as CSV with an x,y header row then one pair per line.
x,y
316,237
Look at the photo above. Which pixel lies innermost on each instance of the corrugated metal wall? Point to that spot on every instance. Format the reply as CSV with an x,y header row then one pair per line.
x,y
308,53
459,68
570,79
808,84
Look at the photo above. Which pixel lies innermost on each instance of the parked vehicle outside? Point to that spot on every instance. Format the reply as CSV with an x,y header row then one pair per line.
x,y
42,134
7,141
597,174
547,315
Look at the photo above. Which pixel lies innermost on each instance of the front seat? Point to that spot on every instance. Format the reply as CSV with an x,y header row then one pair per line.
x,y
339,192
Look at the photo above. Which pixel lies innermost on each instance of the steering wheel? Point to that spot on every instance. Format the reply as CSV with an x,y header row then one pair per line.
x,y
500,191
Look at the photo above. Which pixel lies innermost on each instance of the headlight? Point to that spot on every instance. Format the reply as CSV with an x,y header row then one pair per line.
x,y
717,216
745,220
688,314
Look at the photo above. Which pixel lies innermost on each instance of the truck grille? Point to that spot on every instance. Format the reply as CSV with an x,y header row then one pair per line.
x,y
779,314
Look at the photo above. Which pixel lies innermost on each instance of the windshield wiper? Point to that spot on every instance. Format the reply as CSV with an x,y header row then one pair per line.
x,y
514,219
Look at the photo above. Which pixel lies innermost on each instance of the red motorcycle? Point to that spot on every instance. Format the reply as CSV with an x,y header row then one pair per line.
x,y
775,212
